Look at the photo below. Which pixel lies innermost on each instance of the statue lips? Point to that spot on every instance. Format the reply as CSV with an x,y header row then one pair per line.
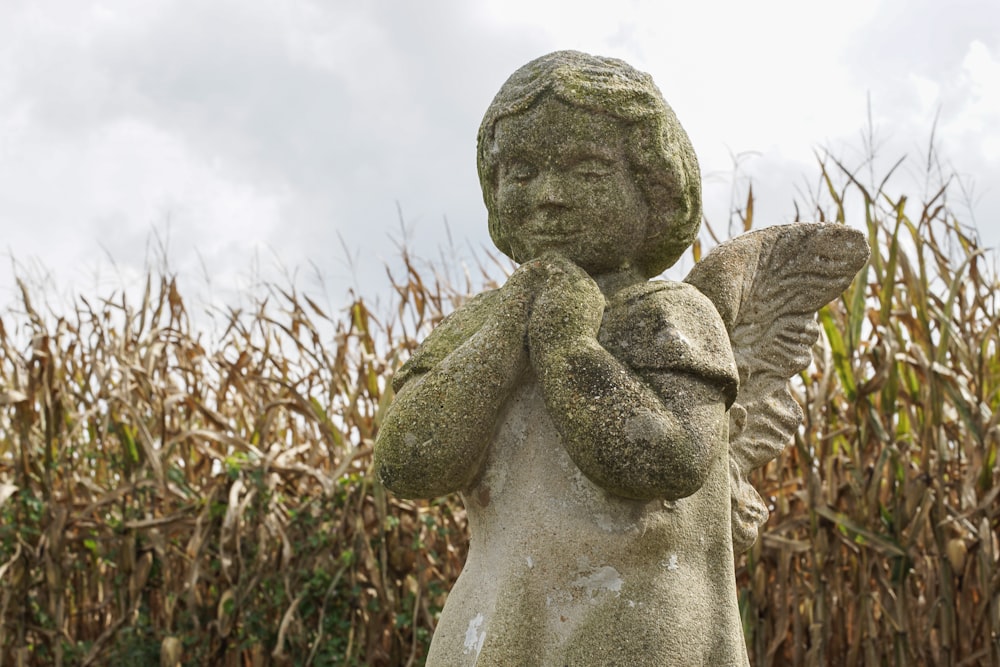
x,y
550,225
546,232
549,233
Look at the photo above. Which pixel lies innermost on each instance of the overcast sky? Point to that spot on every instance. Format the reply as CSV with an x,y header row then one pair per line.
x,y
249,134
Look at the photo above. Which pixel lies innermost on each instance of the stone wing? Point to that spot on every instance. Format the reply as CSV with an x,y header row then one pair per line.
x,y
768,285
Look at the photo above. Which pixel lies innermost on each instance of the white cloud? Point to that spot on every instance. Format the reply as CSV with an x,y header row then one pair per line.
x,y
981,114
254,126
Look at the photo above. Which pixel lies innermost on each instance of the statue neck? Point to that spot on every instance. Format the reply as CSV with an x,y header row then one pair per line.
x,y
615,281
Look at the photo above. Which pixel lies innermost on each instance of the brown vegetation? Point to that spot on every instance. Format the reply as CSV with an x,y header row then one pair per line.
x,y
883,547
169,494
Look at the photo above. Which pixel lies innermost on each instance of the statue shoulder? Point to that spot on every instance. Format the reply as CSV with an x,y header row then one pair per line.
x,y
453,330
670,326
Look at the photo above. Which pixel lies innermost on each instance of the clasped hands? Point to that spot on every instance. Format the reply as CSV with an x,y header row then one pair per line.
x,y
549,302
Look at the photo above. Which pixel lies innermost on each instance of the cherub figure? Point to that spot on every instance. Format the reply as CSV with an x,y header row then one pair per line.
x,y
598,425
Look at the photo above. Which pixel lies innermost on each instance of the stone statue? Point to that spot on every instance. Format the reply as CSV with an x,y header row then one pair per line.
x,y
600,426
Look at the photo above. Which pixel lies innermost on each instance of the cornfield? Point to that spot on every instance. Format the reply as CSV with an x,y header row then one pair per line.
x,y
171,495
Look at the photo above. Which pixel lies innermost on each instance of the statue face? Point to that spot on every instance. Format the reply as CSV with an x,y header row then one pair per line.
x,y
564,184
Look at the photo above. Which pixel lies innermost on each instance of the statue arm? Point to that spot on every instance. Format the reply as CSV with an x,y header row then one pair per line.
x,y
642,434
634,438
436,432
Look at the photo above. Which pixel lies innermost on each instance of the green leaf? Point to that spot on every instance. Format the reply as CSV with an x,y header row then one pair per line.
x,y
841,356
861,535
949,307
858,304
91,546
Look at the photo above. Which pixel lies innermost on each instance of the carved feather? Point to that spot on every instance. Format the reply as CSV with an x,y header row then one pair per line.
x,y
768,285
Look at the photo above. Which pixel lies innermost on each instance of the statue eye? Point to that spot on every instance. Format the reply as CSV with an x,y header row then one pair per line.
x,y
593,169
519,171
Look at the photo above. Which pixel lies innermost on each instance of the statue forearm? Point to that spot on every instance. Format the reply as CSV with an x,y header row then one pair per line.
x,y
438,428
625,436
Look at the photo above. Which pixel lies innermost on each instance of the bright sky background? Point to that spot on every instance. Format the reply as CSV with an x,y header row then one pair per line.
x,y
250,135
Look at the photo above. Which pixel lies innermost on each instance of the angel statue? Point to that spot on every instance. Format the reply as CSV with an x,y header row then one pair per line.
x,y
598,425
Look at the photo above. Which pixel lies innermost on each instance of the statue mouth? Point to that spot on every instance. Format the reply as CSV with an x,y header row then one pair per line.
x,y
537,243
549,226
549,234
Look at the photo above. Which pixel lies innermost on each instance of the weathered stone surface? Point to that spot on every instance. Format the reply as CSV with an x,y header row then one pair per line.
x,y
599,426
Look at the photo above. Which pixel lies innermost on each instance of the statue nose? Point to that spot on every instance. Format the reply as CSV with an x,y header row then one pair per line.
x,y
550,191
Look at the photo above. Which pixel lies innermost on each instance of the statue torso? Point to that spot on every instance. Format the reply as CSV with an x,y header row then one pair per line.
x,y
560,572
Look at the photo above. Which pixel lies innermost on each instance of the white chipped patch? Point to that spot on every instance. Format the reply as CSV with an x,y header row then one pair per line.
x,y
530,561
670,563
605,522
604,578
615,524
474,639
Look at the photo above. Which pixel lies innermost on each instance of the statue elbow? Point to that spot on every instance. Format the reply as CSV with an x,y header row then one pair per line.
x,y
687,469
393,467
667,478
685,481
409,468
404,481
667,462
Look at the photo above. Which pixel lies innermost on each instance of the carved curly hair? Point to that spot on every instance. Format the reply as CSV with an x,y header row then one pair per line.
x,y
657,148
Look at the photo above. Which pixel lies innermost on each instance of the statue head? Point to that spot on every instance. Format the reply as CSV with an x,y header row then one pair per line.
x,y
659,155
